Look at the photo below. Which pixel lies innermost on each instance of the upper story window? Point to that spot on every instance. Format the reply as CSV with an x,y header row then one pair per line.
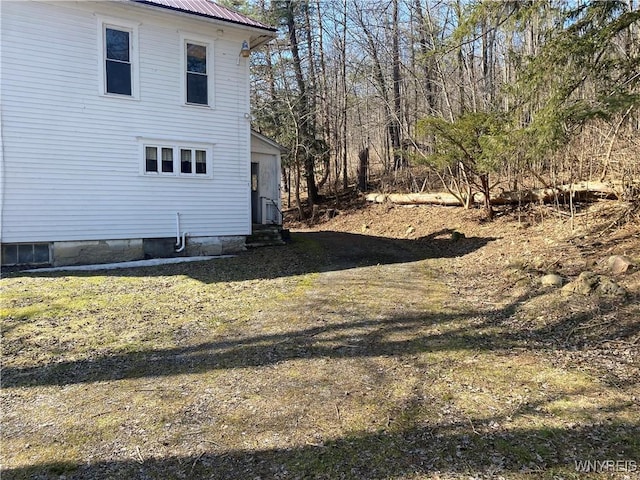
x,y
117,61
197,75
197,70
118,58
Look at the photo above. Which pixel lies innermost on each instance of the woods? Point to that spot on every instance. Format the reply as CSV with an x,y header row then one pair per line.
x,y
471,98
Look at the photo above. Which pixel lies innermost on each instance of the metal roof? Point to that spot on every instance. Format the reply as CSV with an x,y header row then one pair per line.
x,y
207,8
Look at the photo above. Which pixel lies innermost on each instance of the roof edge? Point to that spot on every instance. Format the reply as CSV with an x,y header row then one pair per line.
x,y
268,140
251,24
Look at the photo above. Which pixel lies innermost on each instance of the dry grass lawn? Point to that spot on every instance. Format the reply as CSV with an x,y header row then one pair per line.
x,y
381,349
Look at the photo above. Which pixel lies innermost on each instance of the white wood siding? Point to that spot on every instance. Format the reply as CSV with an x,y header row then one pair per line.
x,y
72,156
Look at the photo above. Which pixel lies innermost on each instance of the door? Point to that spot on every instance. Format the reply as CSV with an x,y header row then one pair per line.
x,y
256,214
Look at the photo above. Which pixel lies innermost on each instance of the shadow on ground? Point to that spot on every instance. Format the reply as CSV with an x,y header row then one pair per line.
x,y
439,449
484,446
308,252
402,334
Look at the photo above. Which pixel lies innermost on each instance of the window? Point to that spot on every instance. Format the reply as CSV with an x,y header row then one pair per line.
x,y
167,160
118,58
185,161
118,61
193,160
197,75
174,160
151,159
197,85
201,161
25,254
152,156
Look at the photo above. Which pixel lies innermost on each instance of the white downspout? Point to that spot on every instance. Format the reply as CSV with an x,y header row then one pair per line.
x,y
177,229
181,240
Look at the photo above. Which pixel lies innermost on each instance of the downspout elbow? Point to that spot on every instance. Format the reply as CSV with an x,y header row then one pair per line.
x,y
183,242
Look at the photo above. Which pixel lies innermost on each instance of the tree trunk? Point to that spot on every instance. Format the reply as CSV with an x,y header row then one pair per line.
x,y
363,169
486,191
345,173
303,109
380,83
395,129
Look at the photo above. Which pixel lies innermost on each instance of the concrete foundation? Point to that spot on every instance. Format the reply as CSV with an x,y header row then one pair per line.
x,y
101,251
197,246
107,251
233,244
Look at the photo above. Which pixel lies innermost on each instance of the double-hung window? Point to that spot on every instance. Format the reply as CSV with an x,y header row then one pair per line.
x,y
197,74
197,70
118,58
117,44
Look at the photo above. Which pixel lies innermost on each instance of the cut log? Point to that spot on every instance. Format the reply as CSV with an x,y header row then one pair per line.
x,y
581,191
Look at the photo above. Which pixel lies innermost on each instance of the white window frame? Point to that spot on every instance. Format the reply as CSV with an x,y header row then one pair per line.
x,y
159,147
176,148
132,28
208,43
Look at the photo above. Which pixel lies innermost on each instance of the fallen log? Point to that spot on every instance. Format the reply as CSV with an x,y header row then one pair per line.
x,y
581,191
445,199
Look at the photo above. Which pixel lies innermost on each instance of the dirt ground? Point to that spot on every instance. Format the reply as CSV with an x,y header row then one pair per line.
x,y
378,344
501,263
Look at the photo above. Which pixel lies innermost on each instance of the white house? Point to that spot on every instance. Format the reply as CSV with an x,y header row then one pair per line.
x,y
126,131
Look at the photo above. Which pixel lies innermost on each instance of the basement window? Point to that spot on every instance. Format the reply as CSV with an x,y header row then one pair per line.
x,y
26,254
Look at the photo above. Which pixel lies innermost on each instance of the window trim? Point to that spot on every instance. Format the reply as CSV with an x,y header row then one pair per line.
x,y
176,148
208,43
134,60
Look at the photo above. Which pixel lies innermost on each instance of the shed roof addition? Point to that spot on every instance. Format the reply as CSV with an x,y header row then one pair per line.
x,y
208,8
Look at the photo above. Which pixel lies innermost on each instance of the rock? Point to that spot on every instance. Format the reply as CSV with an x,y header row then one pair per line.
x,y
589,283
610,288
410,230
588,278
585,284
619,264
569,289
455,236
551,280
